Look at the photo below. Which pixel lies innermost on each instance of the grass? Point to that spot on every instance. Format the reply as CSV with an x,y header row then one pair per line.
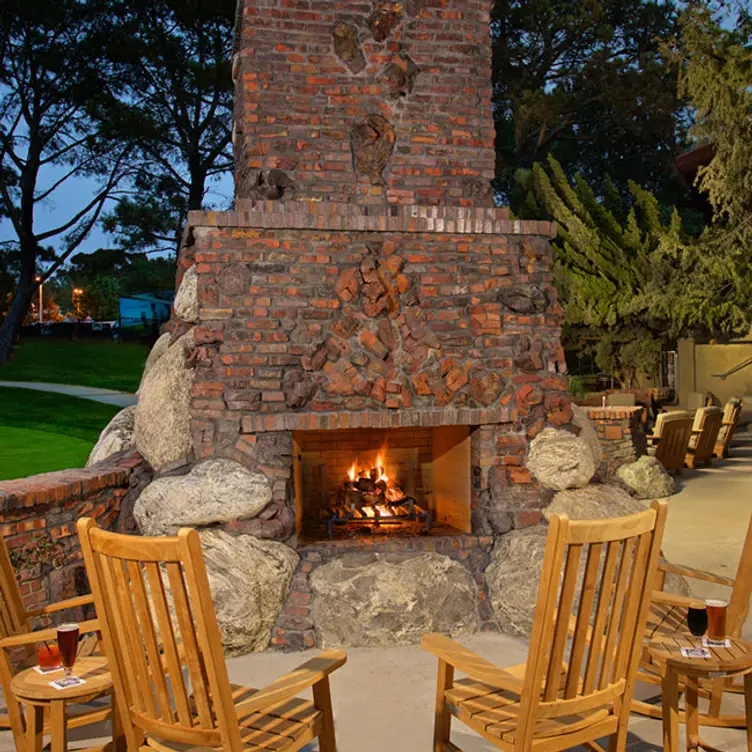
x,y
42,432
98,363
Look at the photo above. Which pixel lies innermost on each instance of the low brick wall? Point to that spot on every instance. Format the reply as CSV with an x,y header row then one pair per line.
x,y
621,431
38,518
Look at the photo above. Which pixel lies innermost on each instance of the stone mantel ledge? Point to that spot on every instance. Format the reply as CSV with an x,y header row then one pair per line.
x,y
404,418
324,215
60,486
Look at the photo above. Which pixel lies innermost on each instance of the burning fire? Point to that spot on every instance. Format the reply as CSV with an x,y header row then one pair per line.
x,y
375,486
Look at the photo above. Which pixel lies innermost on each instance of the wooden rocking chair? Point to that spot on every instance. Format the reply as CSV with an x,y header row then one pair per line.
x,y
595,586
702,440
16,636
668,614
159,626
731,414
670,439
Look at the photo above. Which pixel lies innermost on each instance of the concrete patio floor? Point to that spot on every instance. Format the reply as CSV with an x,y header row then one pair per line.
x,y
383,698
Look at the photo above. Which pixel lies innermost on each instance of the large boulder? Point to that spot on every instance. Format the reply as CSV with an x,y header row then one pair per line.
x,y
162,423
391,599
213,492
596,502
186,298
646,478
249,580
560,460
513,577
581,421
116,437
157,351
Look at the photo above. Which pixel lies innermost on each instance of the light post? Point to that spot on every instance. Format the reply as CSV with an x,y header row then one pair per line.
x,y
77,293
41,298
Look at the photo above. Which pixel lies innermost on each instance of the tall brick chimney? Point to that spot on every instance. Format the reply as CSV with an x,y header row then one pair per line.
x,y
368,102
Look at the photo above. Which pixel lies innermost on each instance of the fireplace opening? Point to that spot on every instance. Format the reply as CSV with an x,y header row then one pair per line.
x,y
382,482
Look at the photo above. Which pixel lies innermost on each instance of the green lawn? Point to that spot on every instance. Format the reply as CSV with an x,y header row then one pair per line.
x,y
100,363
42,432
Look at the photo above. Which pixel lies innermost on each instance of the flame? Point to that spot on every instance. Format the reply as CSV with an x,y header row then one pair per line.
x,y
382,470
352,473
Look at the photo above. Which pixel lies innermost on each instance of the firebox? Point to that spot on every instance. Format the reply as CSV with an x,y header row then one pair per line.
x,y
402,481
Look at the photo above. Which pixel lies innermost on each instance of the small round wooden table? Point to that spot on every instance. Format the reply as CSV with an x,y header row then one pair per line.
x,y
723,663
34,690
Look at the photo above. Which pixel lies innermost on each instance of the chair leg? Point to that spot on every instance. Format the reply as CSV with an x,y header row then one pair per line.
x,y
443,718
322,699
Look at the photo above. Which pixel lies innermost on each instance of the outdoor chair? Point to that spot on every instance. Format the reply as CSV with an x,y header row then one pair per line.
x,y
670,439
595,588
620,400
731,414
668,616
19,644
165,651
704,434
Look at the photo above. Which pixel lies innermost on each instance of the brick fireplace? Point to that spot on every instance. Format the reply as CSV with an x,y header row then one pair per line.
x,y
365,297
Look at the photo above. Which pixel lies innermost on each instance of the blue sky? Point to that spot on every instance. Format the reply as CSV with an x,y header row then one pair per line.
x,y
73,195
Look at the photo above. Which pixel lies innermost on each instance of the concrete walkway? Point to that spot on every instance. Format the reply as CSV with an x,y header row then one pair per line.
x,y
108,396
383,698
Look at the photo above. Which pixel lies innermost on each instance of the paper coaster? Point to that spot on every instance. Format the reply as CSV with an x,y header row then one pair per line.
x,y
695,652
716,644
72,681
52,670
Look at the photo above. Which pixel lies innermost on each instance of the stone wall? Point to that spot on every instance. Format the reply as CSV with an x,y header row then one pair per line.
x,y
38,518
296,629
621,432
371,101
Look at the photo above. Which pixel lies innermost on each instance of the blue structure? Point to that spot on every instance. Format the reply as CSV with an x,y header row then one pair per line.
x,y
144,313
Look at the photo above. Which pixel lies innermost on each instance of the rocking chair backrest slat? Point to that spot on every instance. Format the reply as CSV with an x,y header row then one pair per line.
x,y
740,594
161,636
595,585
672,445
13,619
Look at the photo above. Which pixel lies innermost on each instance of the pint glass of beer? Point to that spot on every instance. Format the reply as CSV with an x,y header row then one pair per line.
x,y
67,641
716,621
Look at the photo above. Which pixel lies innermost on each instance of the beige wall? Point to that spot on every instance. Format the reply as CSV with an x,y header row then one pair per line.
x,y
699,366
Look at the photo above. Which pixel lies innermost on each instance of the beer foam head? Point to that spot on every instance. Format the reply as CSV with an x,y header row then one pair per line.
x,y
67,627
716,603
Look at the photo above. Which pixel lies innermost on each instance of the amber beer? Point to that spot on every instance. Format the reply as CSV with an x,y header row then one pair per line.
x,y
67,641
716,621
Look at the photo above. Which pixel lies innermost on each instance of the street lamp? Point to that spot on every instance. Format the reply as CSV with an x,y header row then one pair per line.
x,y
77,293
41,287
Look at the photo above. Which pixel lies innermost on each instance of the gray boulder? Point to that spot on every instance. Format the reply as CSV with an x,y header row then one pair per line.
x,y
513,577
587,431
391,599
213,492
186,298
116,437
646,478
162,422
596,502
157,351
560,460
249,580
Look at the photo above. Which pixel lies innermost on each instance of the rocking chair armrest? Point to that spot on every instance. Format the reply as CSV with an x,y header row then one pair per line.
x,y
695,574
470,663
30,638
671,599
304,676
81,600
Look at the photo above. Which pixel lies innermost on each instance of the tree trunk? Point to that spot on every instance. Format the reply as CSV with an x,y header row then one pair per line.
x,y
15,317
